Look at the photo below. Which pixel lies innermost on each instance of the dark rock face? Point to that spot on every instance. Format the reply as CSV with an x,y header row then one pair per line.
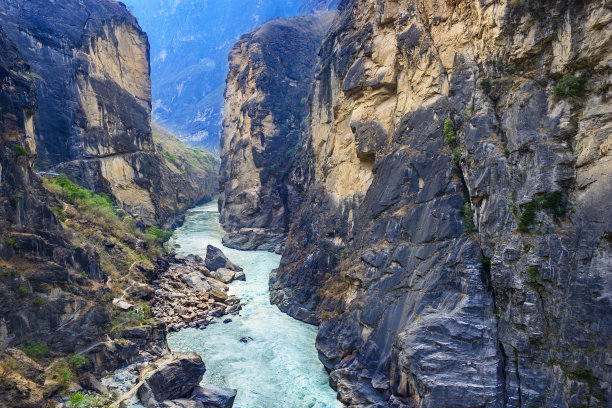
x,y
172,377
89,64
216,259
214,397
265,113
454,222
30,231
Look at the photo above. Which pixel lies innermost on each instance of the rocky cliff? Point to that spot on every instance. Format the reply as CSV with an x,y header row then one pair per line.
x,y
455,241
89,64
191,41
264,116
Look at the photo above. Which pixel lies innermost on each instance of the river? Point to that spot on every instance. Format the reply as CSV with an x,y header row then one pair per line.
x,y
279,368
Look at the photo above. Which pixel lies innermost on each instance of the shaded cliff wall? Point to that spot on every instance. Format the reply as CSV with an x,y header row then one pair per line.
x,y
30,234
61,263
265,113
90,65
454,242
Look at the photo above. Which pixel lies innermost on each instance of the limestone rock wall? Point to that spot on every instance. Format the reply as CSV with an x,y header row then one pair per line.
x,y
265,113
90,67
472,271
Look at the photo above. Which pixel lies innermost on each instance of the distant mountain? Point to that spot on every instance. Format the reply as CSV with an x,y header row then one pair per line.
x,y
190,42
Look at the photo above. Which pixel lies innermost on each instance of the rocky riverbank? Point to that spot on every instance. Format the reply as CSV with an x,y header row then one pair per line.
x,y
191,291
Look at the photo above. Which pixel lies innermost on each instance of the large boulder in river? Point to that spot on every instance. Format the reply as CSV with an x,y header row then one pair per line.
x,y
174,376
214,397
215,259
224,275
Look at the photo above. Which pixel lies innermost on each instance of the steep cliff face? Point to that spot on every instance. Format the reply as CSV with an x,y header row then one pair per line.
x,y
265,113
90,66
191,40
454,242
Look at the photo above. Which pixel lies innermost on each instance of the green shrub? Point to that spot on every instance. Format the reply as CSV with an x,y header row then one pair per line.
x,y
78,361
486,264
158,235
6,273
449,131
98,205
456,155
77,400
485,84
23,291
468,217
506,152
554,203
533,271
12,242
65,376
585,376
14,199
34,349
527,216
60,213
569,86
19,150
38,302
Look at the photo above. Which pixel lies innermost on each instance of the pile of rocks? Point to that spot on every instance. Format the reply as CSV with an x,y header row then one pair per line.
x,y
191,292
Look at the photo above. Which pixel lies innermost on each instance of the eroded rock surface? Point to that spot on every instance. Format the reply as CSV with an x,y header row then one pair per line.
x,y
453,243
89,65
265,113
172,377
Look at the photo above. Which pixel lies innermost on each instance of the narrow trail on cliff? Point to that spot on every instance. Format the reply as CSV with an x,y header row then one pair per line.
x,y
276,364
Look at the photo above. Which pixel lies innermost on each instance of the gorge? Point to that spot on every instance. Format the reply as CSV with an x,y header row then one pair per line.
x,y
422,185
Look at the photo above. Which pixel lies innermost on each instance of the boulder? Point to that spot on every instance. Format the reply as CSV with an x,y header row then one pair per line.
x,y
89,382
215,259
213,396
239,276
224,275
172,377
196,282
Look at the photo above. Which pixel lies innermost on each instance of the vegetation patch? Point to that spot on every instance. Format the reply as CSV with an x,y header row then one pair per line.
x,y
78,362
468,217
585,376
486,264
139,316
34,349
23,291
158,235
569,85
553,202
14,199
19,150
449,131
11,242
533,272
485,84
60,213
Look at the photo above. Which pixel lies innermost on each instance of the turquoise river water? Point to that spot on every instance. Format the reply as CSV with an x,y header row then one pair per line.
x,y
279,368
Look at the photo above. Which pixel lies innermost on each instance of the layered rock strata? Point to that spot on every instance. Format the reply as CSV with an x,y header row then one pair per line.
x,y
89,64
265,113
454,241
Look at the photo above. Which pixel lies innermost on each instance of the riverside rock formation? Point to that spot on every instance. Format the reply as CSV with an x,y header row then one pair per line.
x,y
73,83
455,242
265,114
89,64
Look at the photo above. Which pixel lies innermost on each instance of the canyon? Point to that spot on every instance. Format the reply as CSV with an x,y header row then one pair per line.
x,y
434,177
